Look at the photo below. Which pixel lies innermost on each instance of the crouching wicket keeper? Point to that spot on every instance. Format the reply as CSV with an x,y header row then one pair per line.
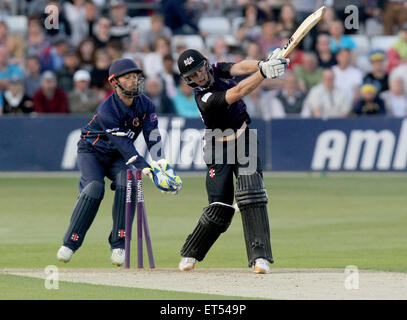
x,y
106,149
219,100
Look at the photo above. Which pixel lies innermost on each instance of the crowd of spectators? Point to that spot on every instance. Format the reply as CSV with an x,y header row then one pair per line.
x,y
65,69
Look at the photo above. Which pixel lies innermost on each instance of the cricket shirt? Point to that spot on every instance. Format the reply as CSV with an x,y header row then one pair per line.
x,y
216,113
115,126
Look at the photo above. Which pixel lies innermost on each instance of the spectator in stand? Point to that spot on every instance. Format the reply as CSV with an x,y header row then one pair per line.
x,y
115,50
328,19
261,104
100,73
82,99
86,52
338,39
325,101
253,51
15,44
15,99
133,49
400,72
32,78
395,14
7,70
378,77
308,74
57,53
250,29
155,91
121,23
66,73
153,61
3,33
369,103
101,36
1,103
50,99
398,52
176,18
395,99
347,77
36,41
326,59
76,16
220,52
290,98
91,15
287,19
184,102
158,29
269,39
170,78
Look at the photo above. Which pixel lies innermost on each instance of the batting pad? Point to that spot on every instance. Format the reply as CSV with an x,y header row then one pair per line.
x,y
251,198
214,220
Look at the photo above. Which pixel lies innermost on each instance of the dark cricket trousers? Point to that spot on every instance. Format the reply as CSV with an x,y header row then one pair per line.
x,y
243,154
95,166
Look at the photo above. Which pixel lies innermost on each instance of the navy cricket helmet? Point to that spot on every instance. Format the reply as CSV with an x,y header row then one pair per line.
x,y
121,67
189,62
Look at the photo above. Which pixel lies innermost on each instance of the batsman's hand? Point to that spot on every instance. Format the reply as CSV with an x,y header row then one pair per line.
x,y
274,66
160,179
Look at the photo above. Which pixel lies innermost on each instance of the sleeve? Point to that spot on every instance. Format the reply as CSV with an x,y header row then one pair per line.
x,y
151,133
211,100
111,123
223,69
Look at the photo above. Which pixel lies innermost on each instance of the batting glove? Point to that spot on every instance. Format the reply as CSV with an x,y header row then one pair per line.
x,y
160,179
170,172
274,66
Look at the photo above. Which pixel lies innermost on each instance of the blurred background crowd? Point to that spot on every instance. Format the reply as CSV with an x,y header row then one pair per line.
x,y
344,68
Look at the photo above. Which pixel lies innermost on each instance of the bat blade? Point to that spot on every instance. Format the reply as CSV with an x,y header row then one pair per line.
x,y
302,31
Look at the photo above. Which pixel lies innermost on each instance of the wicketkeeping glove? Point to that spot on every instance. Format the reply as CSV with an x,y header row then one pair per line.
x,y
160,179
170,172
274,66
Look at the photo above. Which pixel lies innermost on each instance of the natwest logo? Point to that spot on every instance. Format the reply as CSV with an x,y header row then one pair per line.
x,y
361,150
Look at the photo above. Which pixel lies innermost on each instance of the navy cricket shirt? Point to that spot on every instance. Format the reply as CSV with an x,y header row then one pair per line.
x,y
113,116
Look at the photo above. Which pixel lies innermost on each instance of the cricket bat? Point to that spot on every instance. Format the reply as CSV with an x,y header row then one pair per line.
x,y
302,31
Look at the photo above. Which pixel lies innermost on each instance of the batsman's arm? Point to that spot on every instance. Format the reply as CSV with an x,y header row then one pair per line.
x,y
244,87
244,67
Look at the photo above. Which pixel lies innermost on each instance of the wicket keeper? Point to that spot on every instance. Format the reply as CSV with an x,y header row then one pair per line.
x,y
106,149
222,109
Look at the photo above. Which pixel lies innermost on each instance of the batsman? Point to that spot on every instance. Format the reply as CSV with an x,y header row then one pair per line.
x,y
222,109
106,149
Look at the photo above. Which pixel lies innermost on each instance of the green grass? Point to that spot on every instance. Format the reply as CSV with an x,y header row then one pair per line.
x,y
328,222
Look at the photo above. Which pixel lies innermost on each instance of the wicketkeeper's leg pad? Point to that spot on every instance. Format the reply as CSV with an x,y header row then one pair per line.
x,y
116,237
83,214
251,198
214,220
